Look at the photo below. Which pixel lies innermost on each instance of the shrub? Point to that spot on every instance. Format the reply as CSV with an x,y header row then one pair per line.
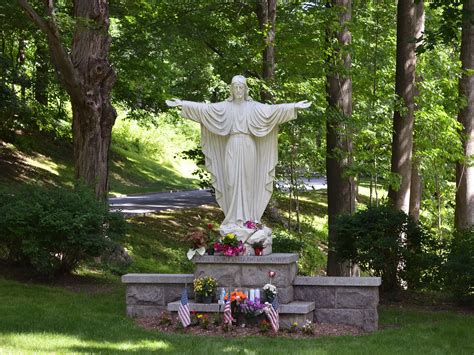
x,y
459,268
390,244
284,242
311,258
54,229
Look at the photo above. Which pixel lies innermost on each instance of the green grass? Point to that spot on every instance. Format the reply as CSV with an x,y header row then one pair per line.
x,y
141,159
51,319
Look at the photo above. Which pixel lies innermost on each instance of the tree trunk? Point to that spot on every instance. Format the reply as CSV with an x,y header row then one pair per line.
x,y
339,143
41,74
416,181
402,143
93,114
464,213
88,78
415,193
266,13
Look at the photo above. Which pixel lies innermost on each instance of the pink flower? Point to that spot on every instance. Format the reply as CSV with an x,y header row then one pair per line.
x,y
271,274
250,225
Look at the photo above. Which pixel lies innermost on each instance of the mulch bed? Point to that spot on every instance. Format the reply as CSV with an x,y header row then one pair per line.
x,y
320,329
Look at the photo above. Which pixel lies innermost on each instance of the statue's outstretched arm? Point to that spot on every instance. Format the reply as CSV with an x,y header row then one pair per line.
x,y
174,102
302,104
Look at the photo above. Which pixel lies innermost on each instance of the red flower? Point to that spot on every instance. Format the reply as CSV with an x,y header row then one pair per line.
x,y
271,274
210,226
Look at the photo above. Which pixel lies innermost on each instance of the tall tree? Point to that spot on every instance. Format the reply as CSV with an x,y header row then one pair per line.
x,y
341,194
88,78
402,142
416,181
266,13
464,213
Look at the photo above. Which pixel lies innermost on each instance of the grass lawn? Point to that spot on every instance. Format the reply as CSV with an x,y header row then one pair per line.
x,y
52,319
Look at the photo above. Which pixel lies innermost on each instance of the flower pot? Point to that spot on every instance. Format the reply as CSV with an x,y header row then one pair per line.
x,y
204,299
258,251
207,299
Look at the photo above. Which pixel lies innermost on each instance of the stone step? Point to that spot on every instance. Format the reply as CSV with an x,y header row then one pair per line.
x,y
296,307
295,312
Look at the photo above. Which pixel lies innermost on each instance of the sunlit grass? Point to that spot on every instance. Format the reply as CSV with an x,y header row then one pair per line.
x,y
48,319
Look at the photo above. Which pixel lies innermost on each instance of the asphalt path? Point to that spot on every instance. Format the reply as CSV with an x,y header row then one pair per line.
x,y
159,201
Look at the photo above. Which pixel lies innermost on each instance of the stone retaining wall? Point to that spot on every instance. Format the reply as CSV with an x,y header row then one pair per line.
x,y
341,300
338,300
148,295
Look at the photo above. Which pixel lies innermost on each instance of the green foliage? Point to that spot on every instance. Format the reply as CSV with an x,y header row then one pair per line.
x,y
311,257
388,243
284,242
54,230
459,268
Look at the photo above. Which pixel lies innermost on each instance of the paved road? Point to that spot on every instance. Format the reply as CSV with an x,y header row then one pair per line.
x,y
139,204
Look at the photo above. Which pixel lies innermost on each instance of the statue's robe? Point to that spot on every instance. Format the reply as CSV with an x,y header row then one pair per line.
x,y
239,141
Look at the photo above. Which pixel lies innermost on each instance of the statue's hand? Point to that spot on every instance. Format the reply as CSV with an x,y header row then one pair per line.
x,y
303,104
174,102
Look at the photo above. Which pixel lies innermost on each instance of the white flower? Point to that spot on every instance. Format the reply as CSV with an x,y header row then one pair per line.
x,y
271,288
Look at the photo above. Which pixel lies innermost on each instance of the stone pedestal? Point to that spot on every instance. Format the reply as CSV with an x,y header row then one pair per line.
x,y
339,300
251,272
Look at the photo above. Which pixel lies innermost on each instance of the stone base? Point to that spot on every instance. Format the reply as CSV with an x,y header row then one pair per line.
x,y
250,271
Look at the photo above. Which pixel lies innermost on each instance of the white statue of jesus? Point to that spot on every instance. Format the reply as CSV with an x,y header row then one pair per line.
x,y
239,141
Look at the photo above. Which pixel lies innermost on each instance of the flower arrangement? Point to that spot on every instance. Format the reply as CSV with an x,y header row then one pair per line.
x,y
253,225
236,296
308,328
203,320
258,248
201,241
264,326
251,308
198,241
293,327
205,286
269,292
229,245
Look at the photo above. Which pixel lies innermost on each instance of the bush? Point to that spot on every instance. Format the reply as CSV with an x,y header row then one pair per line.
x,y
284,242
459,268
311,259
390,244
53,230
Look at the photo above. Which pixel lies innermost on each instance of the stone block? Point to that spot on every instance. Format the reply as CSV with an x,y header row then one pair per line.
x,y
337,281
226,275
371,320
147,294
357,297
139,311
257,275
340,316
322,296
287,320
157,278
285,294
273,259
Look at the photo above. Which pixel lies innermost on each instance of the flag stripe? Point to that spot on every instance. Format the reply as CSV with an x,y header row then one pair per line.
x,y
183,311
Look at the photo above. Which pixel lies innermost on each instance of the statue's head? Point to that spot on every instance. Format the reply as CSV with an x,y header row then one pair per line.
x,y
239,89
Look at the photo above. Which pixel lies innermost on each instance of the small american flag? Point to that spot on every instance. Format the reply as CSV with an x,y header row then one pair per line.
x,y
272,314
183,310
228,313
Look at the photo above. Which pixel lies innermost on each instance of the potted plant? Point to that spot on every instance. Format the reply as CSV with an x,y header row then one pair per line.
x,y
204,289
229,245
258,248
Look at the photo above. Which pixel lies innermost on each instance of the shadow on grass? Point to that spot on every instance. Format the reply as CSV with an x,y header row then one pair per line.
x,y
44,319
